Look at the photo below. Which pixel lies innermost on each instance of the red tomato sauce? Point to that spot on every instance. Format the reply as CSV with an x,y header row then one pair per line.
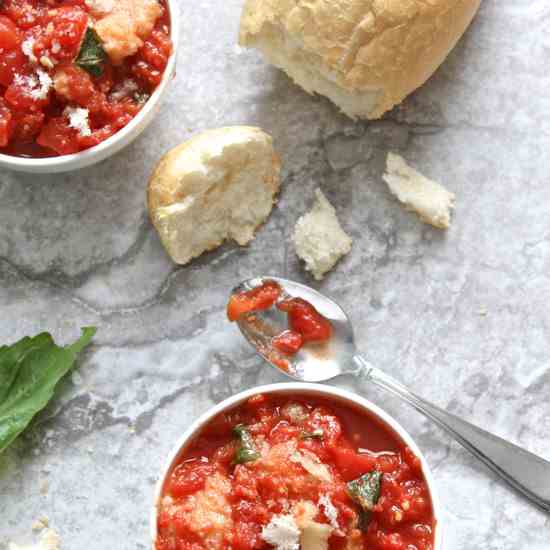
x,y
42,82
213,500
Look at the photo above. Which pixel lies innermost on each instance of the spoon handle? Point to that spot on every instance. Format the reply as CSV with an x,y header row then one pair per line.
x,y
523,471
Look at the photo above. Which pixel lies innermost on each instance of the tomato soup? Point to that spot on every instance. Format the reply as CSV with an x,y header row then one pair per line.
x,y
74,72
294,472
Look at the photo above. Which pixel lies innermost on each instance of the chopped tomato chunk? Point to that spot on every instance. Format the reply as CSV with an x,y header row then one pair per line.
x,y
305,319
27,93
352,464
288,342
152,58
24,13
257,299
69,25
189,477
75,85
27,126
9,37
11,62
59,136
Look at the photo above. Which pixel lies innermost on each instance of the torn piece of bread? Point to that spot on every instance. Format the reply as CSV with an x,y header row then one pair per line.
x,y
429,199
123,25
219,185
319,239
364,55
313,535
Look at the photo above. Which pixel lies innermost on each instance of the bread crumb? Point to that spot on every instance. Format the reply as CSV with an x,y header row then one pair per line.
x,y
429,199
319,238
48,541
41,523
44,486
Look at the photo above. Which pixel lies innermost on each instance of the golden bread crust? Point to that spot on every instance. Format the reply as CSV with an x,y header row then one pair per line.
x,y
367,45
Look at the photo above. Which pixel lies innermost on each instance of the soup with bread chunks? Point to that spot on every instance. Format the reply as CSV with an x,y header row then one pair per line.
x,y
295,472
74,72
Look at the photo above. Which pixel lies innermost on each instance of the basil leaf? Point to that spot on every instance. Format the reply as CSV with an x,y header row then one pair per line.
x,y
29,371
315,434
91,56
87,334
247,450
365,491
11,358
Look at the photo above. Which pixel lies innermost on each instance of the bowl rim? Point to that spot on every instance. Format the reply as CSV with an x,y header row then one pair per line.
x,y
120,138
299,387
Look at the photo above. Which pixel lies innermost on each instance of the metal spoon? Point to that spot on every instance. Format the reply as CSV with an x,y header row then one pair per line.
x,y
523,471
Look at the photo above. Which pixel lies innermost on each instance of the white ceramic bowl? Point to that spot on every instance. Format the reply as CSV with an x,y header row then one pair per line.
x,y
116,142
304,389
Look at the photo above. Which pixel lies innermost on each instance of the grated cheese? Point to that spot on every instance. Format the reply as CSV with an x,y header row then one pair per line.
x,y
282,532
126,89
78,119
45,82
36,86
311,464
330,510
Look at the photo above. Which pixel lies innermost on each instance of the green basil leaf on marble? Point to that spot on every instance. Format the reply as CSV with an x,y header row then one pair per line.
x,y
29,372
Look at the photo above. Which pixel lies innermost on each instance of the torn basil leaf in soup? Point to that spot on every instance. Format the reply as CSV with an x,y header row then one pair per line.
x,y
91,56
246,452
365,491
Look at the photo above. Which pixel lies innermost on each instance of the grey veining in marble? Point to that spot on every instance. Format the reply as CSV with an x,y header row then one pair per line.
x,y
462,316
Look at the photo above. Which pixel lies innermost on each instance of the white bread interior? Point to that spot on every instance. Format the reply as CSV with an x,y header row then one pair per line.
x,y
364,55
429,199
219,185
319,239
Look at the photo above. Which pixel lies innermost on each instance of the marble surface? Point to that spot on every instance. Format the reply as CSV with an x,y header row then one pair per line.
x,y
461,316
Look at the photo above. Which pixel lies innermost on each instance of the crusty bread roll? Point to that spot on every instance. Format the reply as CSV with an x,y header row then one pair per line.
x,y
364,55
221,184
